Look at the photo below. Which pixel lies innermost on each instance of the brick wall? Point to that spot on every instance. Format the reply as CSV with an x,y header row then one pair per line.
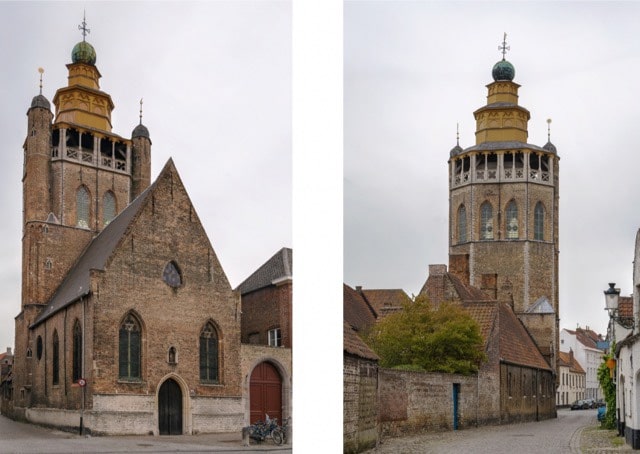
x,y
265,309
361,407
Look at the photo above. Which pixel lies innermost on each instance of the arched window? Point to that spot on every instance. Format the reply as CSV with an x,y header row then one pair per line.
x,y
39,348
209,354
462,224
486,221
512,220
108,208
56,358
82,207
77,352
129,349
538,222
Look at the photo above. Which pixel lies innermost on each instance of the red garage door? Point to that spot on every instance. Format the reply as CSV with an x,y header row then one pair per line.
x,y
265,396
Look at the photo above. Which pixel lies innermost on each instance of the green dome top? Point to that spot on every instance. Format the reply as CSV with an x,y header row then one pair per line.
x,y
503,70
83,52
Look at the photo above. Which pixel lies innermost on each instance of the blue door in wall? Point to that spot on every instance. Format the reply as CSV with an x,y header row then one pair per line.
x,y
456,404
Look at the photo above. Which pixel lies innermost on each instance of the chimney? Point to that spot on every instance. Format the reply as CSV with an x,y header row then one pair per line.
x,y
489,285
570,356
437,270
459,266
359,288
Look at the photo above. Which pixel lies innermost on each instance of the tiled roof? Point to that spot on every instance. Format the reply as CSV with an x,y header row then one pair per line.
x,y
574,366
277,268
353,345
384,301
436,289
356,310
516,345
625,309
485,315
586,337
76,283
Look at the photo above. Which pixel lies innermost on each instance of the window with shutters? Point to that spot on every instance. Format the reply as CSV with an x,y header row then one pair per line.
x,y
77,352
129,349
82,207
209,354
108,208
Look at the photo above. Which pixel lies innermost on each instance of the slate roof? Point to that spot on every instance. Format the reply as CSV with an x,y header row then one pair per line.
x,y
564,359
355,309
541,306
516,345
279,267
77,282
353,345
384,301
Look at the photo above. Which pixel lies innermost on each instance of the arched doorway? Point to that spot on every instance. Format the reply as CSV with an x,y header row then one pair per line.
x,y
170,408
265,393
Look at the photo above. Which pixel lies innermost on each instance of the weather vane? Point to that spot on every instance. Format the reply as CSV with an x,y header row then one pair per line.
x,y
140,110
83,27
504,48
41,71
549,129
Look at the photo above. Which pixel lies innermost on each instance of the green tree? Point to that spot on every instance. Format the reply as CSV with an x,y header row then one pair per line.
x,y
609,390
420,337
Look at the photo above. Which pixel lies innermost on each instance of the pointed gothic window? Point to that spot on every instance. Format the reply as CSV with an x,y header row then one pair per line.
x,y
56,358
209,354
82,207
462,224
538,222
512,220
108,208
129,349
77,351
486,221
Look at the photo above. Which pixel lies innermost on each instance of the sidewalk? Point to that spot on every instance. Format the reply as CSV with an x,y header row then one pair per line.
x,y
594,439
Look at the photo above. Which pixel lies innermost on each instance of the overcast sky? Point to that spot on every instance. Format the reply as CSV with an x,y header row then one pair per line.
x,y
216,83
415,69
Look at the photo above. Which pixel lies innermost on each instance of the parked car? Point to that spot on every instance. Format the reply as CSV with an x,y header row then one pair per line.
x,y
580,405
600,403
591,402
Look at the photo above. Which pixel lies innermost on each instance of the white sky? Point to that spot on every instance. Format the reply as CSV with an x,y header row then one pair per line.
x,y
415,69
216,83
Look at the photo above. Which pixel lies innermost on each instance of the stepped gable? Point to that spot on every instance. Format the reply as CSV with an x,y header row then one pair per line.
x,y
276,270
353,345
516,345
97,253
356,311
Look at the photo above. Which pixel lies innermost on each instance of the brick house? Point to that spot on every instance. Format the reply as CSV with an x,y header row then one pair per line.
x,y
384,301
360,376
266,302
128,324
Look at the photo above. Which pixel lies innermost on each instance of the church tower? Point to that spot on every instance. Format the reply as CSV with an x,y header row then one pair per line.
x,y
78,174
503,211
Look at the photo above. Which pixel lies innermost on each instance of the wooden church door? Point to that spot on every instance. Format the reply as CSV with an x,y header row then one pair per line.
x,y
265,395
170,408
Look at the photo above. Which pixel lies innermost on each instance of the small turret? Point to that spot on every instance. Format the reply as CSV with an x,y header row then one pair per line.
x,y
141,158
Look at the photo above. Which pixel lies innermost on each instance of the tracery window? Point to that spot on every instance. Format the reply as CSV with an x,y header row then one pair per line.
x,y
108,207
82,207
77,352
512,220
462,224
486,221
56,358
538,222
129,349
209,354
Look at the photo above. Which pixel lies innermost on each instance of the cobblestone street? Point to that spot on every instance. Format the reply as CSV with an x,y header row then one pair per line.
x,y
571,432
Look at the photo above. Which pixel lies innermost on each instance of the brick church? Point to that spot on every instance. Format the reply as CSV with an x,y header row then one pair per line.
x,y
128,323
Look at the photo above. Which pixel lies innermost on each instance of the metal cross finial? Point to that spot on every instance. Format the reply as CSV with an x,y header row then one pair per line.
x,y
549,129
504,48
83,27
41,71
458,134
140,110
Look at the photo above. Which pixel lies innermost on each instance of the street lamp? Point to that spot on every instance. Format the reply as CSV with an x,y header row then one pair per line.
x,y
611,297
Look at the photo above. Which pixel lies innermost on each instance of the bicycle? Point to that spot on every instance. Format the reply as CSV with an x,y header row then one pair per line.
x,y
262,430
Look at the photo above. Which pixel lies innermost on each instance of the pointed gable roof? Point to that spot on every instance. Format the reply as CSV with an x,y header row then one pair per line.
x,y
356,311
98,251
385,301
278,269
353,345
567,359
